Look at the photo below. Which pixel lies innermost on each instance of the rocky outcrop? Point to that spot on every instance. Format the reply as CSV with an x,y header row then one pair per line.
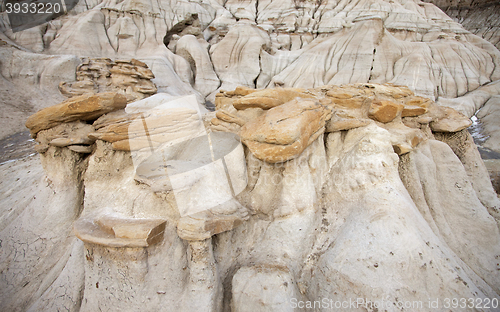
x,y
130,78
147,124
66,124
355,176
260,44
264,45
283,132
117,231
357,198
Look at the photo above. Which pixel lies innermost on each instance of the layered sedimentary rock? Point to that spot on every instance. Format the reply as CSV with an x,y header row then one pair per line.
x,y
266,44
287,121
479,17
86,108
131,78
259,44
203,222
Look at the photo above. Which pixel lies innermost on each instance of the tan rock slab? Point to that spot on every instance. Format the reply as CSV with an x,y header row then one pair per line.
x,y
114,231
413,111
62,142
450,121
228,117
337,123
240,91
162,126
82,149
402,148
286,130
116,117
217,124
84,107
415,106
348,97
384,111
269,98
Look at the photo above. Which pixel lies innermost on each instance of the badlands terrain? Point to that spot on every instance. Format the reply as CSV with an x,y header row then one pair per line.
x,y
252,155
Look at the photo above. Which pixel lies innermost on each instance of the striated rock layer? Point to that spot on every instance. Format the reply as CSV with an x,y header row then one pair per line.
x,y
479,17
203,47
258,44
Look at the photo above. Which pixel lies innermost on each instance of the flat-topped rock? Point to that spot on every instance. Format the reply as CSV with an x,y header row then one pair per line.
x,y
136,131
269,98
341,123
384,111
277,129
415,106
150,122
205,224
113,231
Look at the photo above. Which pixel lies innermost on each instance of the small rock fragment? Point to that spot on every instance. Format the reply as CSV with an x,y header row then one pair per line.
x,y
82,149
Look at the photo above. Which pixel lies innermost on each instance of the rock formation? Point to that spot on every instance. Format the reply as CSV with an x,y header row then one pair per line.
x,y
214,46
264,44
336,167
338,192
131,78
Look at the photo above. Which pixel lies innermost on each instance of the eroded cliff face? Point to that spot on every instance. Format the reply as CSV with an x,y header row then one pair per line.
x,y
478,17
364,191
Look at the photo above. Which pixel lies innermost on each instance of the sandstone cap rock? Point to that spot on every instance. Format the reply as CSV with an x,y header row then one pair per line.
x,y
86,107
285,131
